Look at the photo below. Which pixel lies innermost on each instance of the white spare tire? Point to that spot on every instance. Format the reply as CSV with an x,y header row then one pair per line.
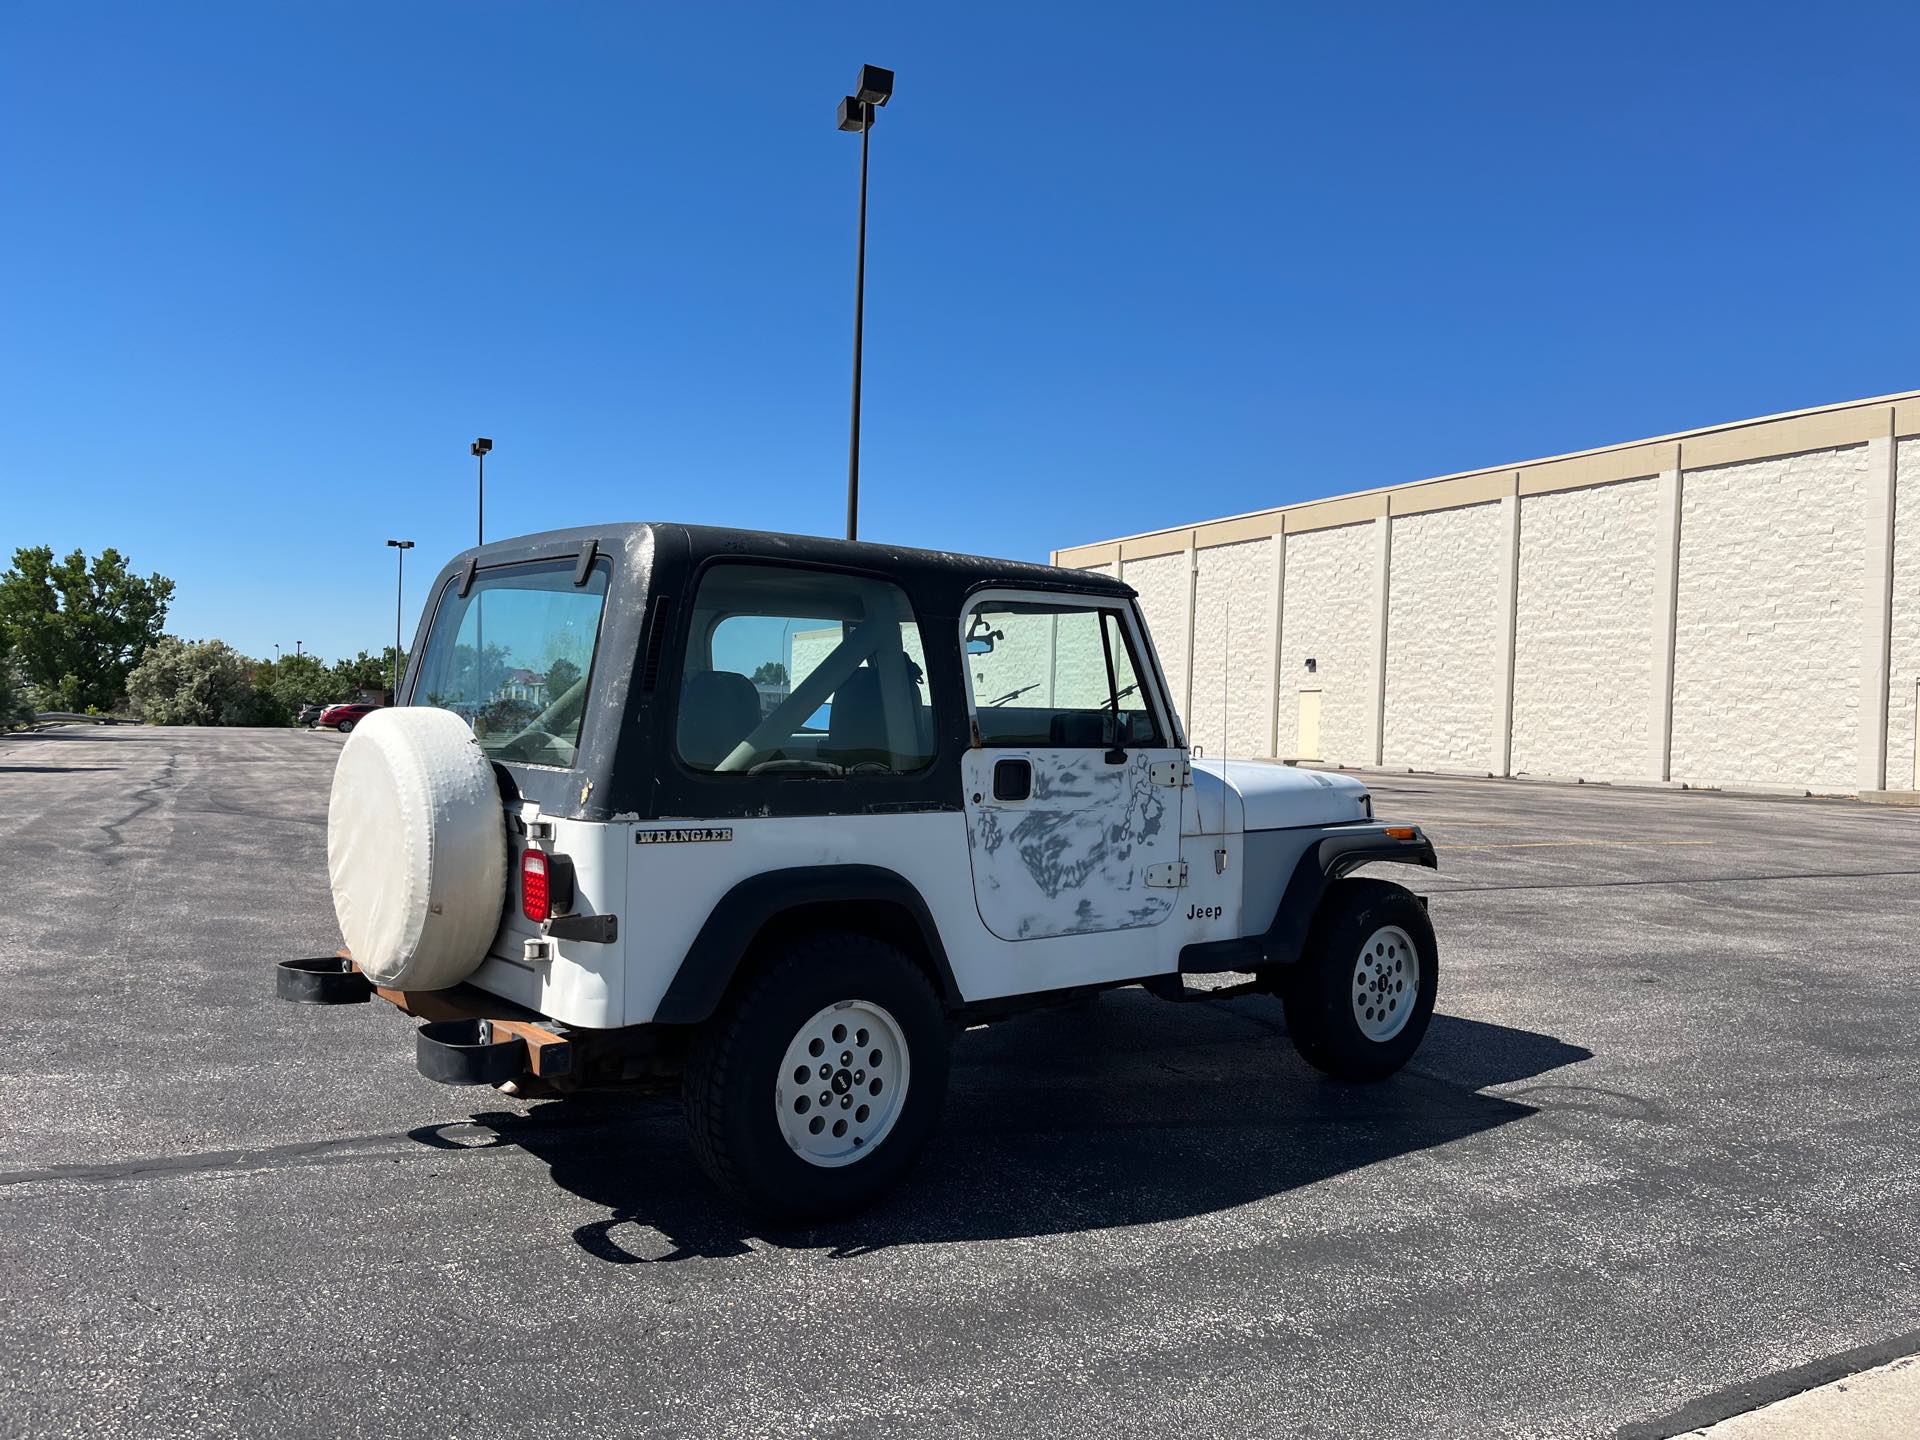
x,y
416,848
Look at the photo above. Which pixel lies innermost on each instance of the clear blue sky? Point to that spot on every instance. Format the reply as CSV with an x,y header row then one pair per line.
x,y
266,268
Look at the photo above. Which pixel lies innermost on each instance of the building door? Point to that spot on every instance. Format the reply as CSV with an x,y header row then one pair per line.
x,y
1073,804
1306,745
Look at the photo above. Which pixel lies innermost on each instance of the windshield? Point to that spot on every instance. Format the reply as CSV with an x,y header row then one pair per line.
x,y
513,658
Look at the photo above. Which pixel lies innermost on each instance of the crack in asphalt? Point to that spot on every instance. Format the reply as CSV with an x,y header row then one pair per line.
x,y
147,797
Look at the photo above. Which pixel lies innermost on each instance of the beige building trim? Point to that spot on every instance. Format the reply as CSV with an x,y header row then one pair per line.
x,y
1821,427
1507,636
1329,514
1786,437
1877,632
1144,547
1234,532
1383,603
1666,620
1450,494
1279,599
1192,593
1635,462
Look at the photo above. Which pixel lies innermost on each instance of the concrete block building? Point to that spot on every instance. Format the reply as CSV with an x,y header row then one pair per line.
x,y
1733,606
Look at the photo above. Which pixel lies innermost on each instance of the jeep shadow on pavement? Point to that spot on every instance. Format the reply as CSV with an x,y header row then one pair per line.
x,y
773,822
1042,1135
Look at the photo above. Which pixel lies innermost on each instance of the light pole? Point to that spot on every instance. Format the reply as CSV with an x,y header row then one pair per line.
x,y
400,548
858,112
296,648
479,450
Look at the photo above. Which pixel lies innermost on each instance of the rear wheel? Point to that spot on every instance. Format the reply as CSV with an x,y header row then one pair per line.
x,y
1360,1004
814,1088
346,726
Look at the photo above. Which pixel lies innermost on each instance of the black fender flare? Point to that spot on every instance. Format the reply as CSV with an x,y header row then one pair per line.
x,y
743,912
1320,864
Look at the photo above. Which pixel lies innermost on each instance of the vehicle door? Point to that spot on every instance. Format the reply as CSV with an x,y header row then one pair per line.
x,y
1071,785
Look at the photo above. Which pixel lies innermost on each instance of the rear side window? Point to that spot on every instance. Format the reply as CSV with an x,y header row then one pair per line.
x,y
513,657
802,673
1054,676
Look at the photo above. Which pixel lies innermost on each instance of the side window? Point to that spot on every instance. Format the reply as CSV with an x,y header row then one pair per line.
x,y
794,672
1054,675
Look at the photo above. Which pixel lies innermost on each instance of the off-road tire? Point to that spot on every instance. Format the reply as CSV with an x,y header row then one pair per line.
x,y
1319,998
733,1068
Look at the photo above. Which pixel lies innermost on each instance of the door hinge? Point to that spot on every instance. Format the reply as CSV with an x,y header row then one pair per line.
x,y
1176,773
1170,876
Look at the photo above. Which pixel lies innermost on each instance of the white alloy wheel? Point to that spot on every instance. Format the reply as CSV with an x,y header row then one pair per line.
x,y
1386,983
842,1083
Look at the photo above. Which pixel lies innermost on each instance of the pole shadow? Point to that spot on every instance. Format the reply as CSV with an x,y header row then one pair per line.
x,y
1130,1112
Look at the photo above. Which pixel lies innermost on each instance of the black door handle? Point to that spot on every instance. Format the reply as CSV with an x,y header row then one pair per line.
x,y
1012,779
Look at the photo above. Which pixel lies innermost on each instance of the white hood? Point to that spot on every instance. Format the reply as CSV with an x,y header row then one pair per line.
x,y
1231,795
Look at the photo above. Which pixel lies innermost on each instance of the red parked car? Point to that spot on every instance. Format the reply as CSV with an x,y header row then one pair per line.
x,y
344,717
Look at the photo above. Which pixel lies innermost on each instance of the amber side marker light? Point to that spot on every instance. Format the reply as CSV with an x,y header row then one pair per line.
x,y
1402,832
535,901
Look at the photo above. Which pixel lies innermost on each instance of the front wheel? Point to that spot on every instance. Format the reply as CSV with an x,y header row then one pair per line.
x,y
1359,1006
814,1088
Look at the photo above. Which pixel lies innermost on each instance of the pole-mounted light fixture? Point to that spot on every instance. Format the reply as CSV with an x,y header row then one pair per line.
x,y
858,112
479,450
400,548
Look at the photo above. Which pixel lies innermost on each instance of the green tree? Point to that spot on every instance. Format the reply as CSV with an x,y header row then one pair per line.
x,y
296,680
16,706
256,705
771,673
182,682
366,672
562,676
79,628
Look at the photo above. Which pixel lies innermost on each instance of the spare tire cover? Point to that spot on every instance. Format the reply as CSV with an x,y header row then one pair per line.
x,y
416,848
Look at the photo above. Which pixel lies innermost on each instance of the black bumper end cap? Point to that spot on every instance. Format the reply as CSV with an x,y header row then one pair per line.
x,y
321,980
464,1052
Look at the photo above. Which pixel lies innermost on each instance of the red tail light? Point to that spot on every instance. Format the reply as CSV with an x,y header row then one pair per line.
x,y
536,902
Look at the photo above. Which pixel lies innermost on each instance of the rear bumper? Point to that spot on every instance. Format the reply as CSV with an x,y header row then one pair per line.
x,y
470,1038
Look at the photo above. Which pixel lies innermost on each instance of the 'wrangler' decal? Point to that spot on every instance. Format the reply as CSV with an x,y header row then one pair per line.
x,y
679,837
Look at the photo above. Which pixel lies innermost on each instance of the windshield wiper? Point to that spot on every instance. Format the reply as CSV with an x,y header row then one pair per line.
x,y
1015,694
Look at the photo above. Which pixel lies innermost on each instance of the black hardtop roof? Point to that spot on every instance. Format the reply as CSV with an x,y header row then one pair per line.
x,y
706,541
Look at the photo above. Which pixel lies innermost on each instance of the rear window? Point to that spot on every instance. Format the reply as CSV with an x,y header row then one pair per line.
x,y
513,658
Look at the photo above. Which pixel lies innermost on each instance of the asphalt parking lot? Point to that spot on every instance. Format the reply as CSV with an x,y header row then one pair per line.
x,y
1662,1144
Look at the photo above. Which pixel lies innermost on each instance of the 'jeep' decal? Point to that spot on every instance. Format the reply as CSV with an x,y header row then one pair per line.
x,y
679,837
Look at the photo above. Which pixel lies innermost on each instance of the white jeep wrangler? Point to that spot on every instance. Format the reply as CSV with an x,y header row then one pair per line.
x,y
772,818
